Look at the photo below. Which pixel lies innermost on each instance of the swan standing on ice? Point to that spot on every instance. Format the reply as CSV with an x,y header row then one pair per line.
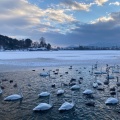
x,y
67,105
44,106
112,100
14,97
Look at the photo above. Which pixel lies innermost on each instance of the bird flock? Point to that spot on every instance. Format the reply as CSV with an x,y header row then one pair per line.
x,y
111,73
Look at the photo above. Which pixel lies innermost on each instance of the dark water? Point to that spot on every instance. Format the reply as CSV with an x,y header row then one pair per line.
x,y
24,110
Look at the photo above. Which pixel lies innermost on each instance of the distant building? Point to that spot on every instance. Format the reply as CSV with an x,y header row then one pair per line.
x,y
38,49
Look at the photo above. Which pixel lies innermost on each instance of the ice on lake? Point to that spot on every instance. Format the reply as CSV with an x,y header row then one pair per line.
x,y
52,58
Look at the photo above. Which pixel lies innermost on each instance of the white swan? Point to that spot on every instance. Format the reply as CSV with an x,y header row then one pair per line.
x,y
112,100
43,106
1,91
44,94
110,77
88,92
14,97
95,84
99,82
75,87
67,105
118,83
60,91
45,74
0,88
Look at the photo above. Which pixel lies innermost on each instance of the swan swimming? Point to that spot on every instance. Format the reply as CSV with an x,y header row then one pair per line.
x,y
67,105
14,97
45,74
60,91
112,100
44,94
43,106
88,92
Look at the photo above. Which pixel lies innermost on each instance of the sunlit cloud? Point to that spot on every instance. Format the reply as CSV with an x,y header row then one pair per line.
x,y
102,19
100,2
74,5
115,3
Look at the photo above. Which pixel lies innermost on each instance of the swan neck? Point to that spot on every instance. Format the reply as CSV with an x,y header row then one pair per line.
x,y
50,100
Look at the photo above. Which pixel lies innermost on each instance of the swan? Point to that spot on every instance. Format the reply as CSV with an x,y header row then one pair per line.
x,y
88,92
118,83
112,100
67,105
95,84
110,77
99,82
44,94
14,97
60,91
43,106
0,91
45,74
75,87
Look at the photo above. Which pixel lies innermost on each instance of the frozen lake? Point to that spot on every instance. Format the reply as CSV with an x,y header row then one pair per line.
x,y
58,58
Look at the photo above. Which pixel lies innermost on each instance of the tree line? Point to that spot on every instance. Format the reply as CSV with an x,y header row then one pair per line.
x,y
8,43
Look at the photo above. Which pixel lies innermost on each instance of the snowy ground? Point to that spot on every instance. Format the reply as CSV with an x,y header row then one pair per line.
x,y
20,59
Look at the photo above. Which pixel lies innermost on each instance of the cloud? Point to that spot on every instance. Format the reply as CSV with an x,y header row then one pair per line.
x,y
104,32
27,18
115,3
100,2
102,19
74,5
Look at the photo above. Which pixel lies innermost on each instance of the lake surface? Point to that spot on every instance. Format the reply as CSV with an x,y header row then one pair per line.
x,y
32,84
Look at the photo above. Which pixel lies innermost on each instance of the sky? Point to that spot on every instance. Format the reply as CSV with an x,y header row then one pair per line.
x,y
62,22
